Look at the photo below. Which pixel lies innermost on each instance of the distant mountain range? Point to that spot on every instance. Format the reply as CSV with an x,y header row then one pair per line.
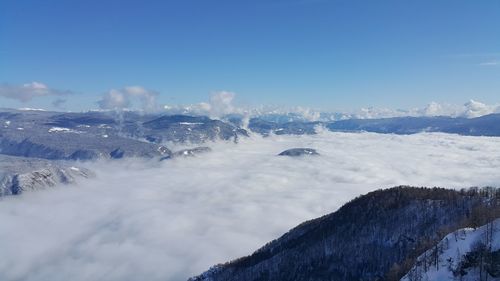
x,y
56,136
488,125
91,135
380,236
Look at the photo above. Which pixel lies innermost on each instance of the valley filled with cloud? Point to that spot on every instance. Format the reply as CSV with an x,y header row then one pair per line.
x,y
147,220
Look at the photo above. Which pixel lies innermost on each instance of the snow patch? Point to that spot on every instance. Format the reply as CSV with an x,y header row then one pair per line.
x,y
63,130
190,123
451,251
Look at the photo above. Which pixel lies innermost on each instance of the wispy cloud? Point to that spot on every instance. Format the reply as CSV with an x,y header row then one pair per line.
x,y
481,59
476,55
127,96
27,92
58,103
490,63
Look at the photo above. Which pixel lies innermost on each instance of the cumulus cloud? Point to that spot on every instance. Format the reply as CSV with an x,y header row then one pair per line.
x,y
126,97
219,104
222,103
474,108
26,92
147,220
470,109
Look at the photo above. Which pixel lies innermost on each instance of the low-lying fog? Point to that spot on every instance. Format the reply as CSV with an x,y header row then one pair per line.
x,y
146,220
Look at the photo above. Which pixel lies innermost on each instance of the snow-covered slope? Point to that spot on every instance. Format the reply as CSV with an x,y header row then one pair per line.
x,y
19,174
93,135
373,235
467,255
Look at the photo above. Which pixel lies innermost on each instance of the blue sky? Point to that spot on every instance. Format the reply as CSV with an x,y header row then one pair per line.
x,y
337,54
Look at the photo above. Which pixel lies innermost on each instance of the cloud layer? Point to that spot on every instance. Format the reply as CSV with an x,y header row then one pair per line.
x,y
148,220
126,98
470,109
221,104
28,91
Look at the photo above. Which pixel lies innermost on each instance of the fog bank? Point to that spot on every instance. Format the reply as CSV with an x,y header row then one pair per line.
x,y
148,220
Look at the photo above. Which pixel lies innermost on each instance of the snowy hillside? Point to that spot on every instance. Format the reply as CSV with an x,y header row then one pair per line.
x,y
467,254
376,237
19,174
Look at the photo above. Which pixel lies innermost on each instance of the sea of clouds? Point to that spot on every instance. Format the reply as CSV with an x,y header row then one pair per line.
x,y
149,220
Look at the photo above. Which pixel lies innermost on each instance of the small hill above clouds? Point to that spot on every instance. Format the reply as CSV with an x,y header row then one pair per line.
x,y
295,152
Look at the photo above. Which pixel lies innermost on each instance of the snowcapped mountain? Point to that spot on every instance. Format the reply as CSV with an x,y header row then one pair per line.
x,y
467,254
91,135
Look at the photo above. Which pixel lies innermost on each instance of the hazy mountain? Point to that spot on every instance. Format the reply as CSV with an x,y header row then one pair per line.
x,y
91,135
481,126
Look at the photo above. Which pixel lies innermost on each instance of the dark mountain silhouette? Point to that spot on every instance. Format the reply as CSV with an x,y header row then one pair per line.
x,y
365,238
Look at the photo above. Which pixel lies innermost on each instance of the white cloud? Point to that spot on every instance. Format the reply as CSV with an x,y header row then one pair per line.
x,y
222,103
28,91
490,63
147,220
470,109
474,108
124,98
433,109
219,104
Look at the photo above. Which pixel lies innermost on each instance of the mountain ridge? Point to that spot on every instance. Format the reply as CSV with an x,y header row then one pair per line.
x,y
363,239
